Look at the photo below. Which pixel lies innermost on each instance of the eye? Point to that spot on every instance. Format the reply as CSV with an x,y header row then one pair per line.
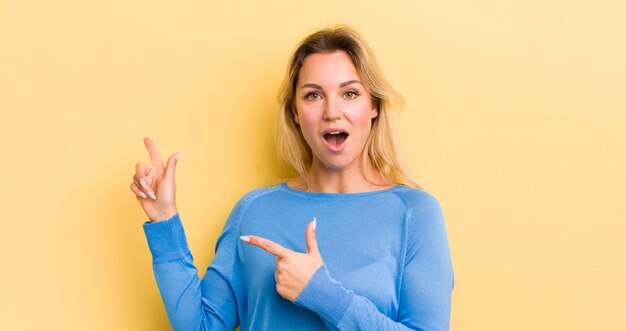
x,y
312,96
351,94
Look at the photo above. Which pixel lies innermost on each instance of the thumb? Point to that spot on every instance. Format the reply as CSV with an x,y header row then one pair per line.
x,y
311,238
171,165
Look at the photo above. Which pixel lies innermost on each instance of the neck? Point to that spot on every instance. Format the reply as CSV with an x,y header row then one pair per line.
x,y
351,179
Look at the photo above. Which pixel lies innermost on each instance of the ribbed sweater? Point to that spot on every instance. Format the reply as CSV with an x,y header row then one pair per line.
x,y
387,264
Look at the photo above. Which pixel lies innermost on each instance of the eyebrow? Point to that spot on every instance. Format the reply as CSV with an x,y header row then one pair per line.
x,y
316,86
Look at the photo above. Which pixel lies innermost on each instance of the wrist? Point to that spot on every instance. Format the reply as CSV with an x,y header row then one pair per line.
x,y
166,215
320,290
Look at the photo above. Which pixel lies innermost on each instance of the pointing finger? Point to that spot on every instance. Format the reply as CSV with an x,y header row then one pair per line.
x,y
155,157
268,245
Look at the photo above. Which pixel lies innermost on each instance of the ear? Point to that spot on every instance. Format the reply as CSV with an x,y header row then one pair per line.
x,y
295,115
374,112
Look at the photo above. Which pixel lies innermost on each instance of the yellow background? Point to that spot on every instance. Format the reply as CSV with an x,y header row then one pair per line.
x,y
515,121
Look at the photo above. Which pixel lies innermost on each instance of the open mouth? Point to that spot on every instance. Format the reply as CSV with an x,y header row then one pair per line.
x,y
336,137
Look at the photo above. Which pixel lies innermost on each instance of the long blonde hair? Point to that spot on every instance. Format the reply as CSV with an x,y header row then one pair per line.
x,y
382,146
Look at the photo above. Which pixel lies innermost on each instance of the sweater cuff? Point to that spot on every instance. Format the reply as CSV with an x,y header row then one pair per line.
x,y
167,240
325,296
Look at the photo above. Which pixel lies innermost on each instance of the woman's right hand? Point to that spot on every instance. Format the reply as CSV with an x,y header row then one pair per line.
x,y
154,185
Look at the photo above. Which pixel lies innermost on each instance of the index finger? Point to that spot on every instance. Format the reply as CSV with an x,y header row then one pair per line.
x,y
268,245
155,157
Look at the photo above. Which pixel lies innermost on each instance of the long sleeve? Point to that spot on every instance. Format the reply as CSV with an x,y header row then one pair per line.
x,y
191,304
426,282
387,264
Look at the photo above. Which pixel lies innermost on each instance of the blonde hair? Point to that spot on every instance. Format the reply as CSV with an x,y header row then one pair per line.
x,y
382,148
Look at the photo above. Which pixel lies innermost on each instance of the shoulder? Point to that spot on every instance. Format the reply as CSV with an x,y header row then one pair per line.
x,y
426,222
418,201
242,206
423,211
255,195
258,192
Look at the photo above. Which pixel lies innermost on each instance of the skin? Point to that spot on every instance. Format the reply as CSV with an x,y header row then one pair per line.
x,y
154,185
329,95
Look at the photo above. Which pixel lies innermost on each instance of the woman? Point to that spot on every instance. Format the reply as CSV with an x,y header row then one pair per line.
x,y
374,254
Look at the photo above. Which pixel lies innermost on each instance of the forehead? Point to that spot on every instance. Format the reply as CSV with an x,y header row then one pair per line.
x,y
329,68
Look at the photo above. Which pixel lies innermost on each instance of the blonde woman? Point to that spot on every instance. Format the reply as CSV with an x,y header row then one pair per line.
x,y
351,244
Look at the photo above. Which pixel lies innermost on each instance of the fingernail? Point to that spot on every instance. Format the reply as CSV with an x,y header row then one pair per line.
x,y
151,194
143,183
245,238
178,155
142,194
314,223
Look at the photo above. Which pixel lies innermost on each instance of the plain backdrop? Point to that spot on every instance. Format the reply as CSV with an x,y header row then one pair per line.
x,y
515,120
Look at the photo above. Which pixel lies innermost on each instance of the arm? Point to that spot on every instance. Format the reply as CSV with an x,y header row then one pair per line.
x,y
191,304
426,289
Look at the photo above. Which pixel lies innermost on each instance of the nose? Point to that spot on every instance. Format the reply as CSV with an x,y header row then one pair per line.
x,y
332,110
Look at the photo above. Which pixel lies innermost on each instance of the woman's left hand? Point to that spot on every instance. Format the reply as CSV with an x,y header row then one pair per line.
x,y
293,269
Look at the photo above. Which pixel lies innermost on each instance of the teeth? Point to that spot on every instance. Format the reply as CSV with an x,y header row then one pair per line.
x,y
335,132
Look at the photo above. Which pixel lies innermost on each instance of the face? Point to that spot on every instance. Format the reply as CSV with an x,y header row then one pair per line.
x,y
334,109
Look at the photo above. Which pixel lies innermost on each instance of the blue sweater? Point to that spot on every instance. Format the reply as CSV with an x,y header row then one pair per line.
x,y
387,264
